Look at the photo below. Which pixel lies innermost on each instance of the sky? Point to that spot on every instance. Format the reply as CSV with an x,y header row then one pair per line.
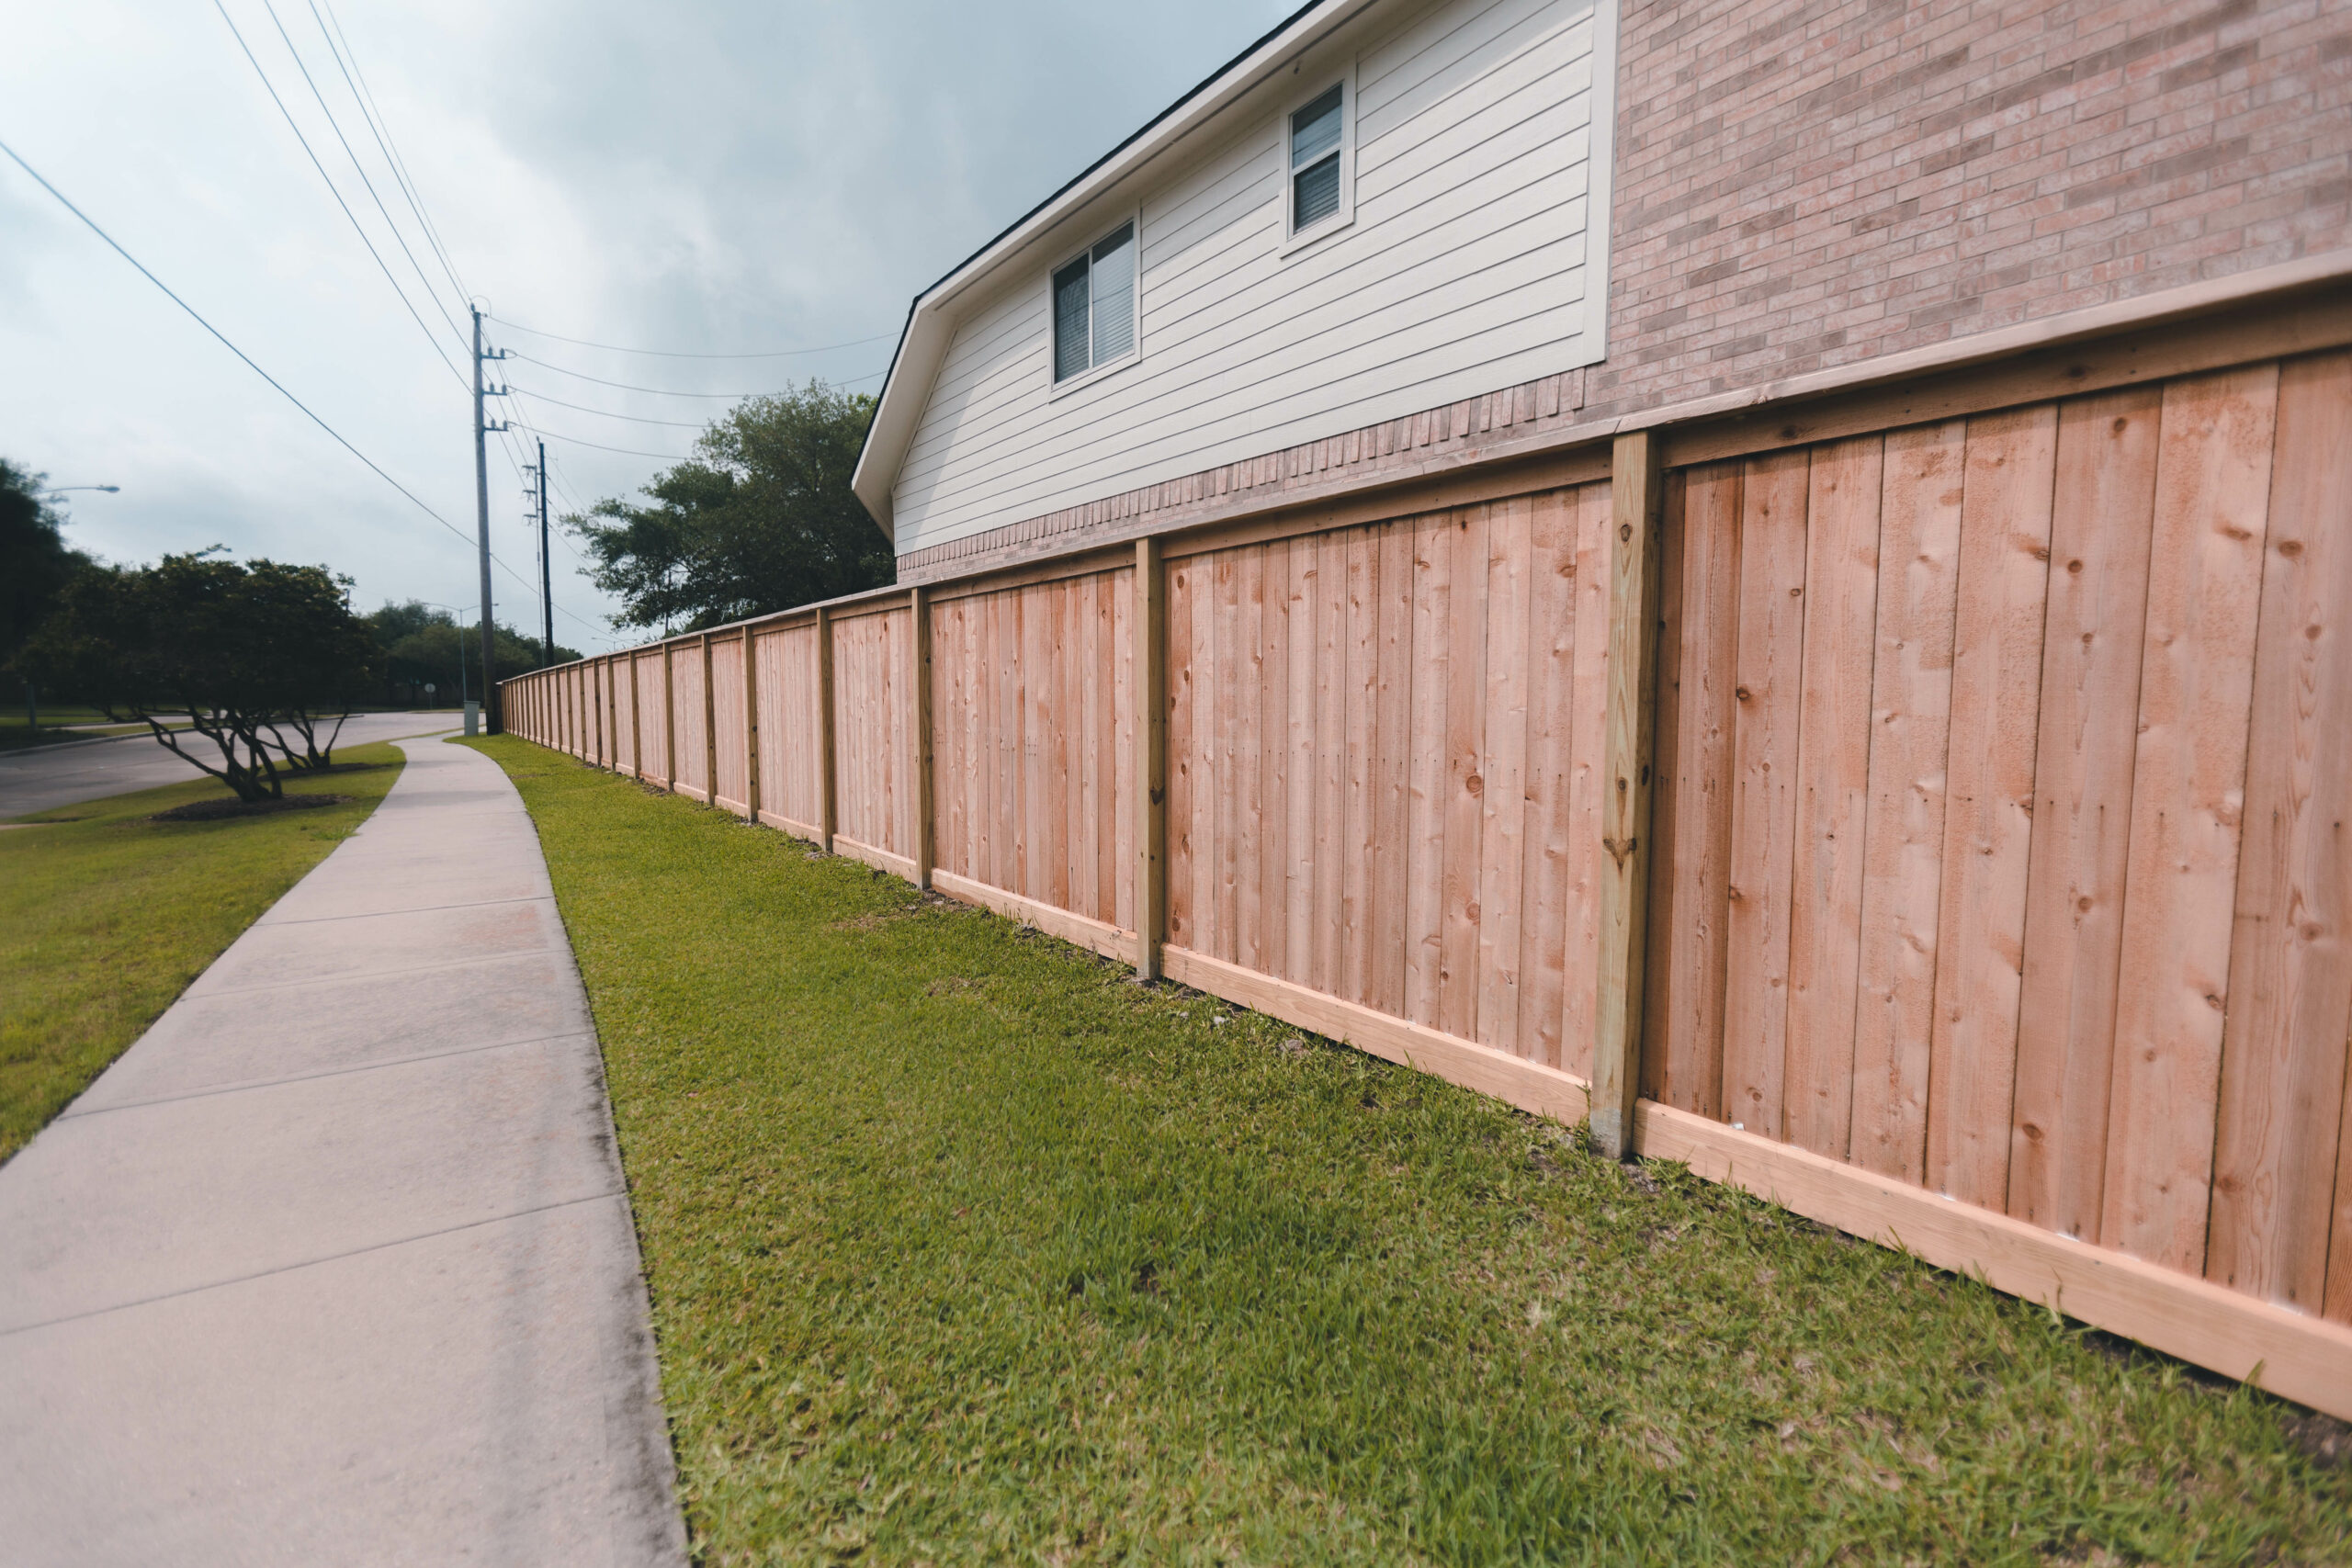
x,y
709,178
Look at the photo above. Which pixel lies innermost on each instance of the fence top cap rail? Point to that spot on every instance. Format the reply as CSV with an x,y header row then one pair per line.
x,y
2324,273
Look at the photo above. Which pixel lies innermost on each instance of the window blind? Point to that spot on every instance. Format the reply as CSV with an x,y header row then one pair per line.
x,y
1314,135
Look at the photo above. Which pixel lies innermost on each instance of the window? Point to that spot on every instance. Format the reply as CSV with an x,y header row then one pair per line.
x,y
1094,306
1316,138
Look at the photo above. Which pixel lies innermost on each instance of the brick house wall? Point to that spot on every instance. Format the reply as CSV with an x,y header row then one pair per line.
x,y
1805,185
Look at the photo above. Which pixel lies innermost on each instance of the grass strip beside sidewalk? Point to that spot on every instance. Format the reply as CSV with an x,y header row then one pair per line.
x,y
106,915
963,1247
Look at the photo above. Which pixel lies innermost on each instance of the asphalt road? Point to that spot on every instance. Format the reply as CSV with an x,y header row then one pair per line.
x,y
48,777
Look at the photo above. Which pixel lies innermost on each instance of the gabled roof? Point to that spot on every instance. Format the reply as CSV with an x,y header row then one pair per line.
x,y
930,325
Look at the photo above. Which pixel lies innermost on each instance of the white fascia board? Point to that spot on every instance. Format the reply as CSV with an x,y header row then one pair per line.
x,y
930,323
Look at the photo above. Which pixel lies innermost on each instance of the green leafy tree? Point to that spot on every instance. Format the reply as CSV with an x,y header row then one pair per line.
x,y
263,660
424,645
35,561
761,519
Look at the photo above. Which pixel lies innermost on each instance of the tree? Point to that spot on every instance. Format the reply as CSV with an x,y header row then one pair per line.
x,y
761,519
421,644
35,561
260,657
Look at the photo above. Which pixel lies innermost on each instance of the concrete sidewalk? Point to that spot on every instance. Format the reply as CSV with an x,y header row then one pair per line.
x,y
335,1264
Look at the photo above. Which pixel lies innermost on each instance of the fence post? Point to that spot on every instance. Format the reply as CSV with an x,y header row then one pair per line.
x,y
828,817
925,842
1637,490
670,716
710,728
751,725
1147,626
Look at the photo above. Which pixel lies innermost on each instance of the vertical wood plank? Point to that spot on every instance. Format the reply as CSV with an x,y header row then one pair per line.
x,y
1247,657
2188,798
923,841
709,726
1764,796
1393,709
1502,846
1665,763
828,798
1989,807
1363,712
1426,813
1465,749
1230,656
1298,892
1637,516
1331,758
751,800
1551,650
2290,966
1272,873
1590,863
1903,839
1833,789
1182,805
2103,505
670,717
1148,622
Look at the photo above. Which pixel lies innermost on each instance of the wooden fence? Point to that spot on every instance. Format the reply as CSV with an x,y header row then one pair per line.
x,y
1934,814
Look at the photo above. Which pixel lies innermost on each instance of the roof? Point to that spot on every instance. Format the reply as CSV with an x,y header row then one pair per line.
x,y
923,339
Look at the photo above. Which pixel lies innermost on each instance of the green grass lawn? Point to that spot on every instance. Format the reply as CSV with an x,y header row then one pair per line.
x,y
105,917
964,1248
17,732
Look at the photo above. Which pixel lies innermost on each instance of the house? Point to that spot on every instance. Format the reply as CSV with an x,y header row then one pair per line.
x,y
1571,211
1771,577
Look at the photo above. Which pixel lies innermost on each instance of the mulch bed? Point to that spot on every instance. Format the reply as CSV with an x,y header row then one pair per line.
x,y
215,810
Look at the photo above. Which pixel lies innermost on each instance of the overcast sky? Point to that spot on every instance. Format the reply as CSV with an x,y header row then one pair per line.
x,y
721,177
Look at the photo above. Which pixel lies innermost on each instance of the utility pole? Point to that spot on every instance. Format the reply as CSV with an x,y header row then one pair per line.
x,y
547,576
489,706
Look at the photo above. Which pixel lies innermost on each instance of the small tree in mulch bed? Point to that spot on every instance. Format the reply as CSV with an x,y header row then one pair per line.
x,y
263,659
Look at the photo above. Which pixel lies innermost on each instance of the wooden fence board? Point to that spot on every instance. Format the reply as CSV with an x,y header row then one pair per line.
x,y
1428,771
1842,511
730,736
1701,664
2189,783
1182,799
2103,506
1465,746
1904,839
1588,737
1503,823
1988,804
1764,795
2283,1078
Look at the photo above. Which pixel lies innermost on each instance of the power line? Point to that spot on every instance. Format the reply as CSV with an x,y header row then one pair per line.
x,y
607,413
91,223
382,129
336,126
598,446
276,385
355,228
673,354
627,387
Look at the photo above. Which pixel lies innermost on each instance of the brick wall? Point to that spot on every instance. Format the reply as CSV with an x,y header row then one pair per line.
x,y
1804,184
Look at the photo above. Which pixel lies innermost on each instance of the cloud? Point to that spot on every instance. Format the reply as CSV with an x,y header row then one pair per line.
x,y
714,176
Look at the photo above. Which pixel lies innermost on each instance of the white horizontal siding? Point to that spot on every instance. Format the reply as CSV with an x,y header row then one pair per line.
x,y
1467,269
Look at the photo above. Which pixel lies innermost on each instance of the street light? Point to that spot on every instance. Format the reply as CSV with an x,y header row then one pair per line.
x,y
61,489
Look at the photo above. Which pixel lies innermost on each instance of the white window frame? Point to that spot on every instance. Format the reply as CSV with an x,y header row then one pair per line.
x,y
1094,373
1295,239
